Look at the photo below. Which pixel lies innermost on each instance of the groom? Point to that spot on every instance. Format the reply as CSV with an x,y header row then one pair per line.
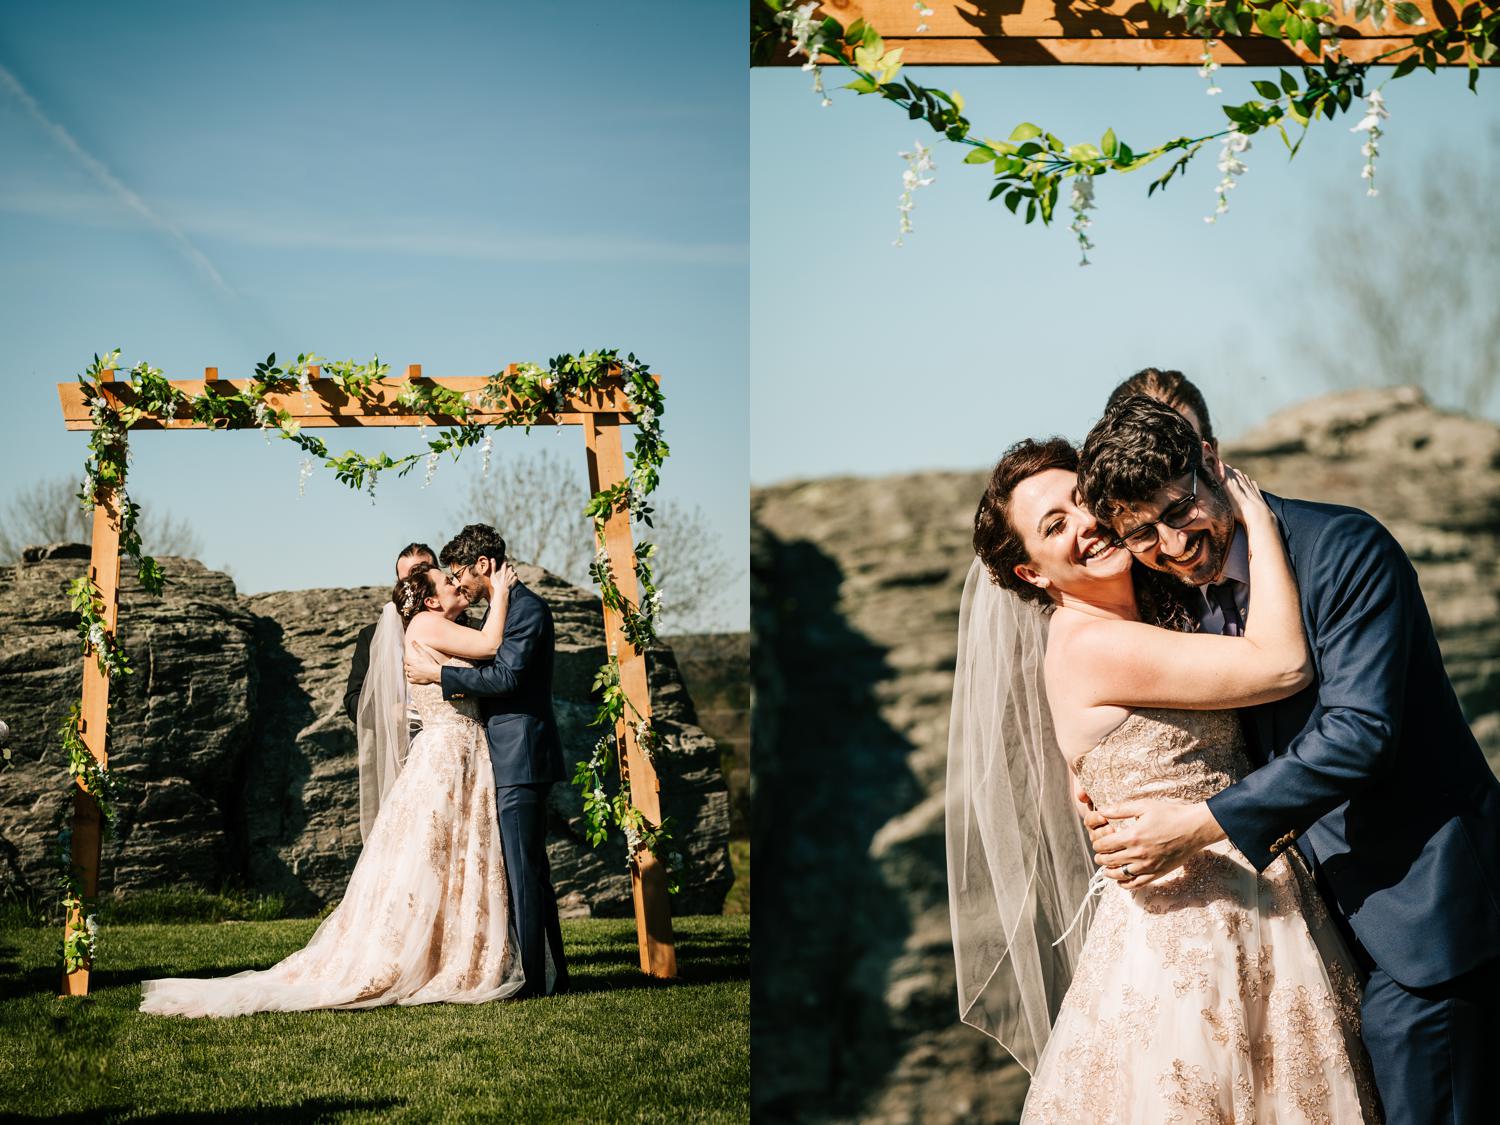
x,y
515,694
1372,770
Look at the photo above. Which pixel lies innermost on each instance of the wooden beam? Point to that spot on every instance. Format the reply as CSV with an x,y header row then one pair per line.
x,y
1105,32
104,569
648,881
327,405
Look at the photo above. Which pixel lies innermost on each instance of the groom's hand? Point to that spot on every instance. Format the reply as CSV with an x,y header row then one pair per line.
x,y
423,670
1152,839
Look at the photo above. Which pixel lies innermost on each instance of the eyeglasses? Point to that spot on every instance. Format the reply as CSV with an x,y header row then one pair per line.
x,y
458,571
1175,515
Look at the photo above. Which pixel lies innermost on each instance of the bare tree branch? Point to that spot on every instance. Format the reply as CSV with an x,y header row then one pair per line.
x,y
536,501
1404,292
49,512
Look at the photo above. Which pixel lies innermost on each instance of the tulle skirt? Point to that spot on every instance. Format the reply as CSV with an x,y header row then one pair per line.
x,y
424,918
1215,994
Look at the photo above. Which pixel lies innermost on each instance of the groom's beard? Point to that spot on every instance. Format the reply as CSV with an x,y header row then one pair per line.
x,y
1202,558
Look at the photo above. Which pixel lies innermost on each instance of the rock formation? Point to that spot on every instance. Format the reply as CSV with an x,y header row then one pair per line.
x,y
238,762
856,590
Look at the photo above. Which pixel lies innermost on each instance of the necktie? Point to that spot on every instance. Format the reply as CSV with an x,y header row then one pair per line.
x,y
1222,596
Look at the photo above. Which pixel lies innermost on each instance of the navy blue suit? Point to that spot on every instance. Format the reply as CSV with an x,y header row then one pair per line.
x,y
1374,772
515,694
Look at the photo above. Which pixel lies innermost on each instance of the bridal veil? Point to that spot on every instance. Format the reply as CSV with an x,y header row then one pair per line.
x,y
381,718
1019,859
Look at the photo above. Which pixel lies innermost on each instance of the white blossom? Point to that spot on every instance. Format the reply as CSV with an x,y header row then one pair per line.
x,y
303,473
432,464
1375,113
1230,165
1208,67
488,448
1082,201
97,637
806,34
918,161
370,488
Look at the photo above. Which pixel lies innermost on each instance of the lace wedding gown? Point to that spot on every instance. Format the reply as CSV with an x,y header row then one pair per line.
x,y
425,916
1213,994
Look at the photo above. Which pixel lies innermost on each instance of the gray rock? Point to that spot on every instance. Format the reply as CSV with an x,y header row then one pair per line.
x,y
856,591
236,758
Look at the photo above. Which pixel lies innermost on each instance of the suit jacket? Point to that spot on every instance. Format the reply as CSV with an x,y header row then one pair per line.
x,y
1374,765
515,694
359,668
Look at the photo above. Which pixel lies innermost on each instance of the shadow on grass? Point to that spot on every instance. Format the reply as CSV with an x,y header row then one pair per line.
x,y
14,984
317,1109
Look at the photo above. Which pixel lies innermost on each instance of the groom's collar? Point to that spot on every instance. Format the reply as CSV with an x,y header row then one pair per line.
x,y
1237,565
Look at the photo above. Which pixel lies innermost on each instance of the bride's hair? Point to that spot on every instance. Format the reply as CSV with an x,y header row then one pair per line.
x,y
996,541
1160,600
410,592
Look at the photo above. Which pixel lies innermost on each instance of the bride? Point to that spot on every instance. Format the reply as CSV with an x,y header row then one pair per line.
x,y
1213,993
425,915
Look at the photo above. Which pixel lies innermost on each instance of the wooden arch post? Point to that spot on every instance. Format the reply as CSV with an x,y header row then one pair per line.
x,y
93,718
601,412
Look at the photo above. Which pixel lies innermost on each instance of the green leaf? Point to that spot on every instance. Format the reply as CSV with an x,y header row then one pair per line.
x,y
980,155
1288,83
1267,89
1025,131
1410,14
1108,143
861,86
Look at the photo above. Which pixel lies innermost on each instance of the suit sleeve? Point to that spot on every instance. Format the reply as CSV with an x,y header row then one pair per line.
x,y
1362,605
502,676
359,668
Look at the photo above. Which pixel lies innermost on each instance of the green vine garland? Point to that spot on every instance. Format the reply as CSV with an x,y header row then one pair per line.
x,y
1030,166
522,394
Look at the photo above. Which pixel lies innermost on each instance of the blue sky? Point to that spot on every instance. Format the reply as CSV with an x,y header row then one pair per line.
x,y
459,185
869,359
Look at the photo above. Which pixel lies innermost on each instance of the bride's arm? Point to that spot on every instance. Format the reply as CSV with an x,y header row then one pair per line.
x,y
453,639
1131,664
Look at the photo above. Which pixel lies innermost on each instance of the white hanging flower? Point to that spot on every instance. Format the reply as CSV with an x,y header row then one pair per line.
x,y
918,161
1375,113
1208,67
1081,202
923,11
488,448
1231,166
807,38
97,637
303,473
432,464
370,488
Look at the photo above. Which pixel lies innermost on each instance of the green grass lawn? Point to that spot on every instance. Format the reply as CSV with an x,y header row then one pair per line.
x,y
620,1047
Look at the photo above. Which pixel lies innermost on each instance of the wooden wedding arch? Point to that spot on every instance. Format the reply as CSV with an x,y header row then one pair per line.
x,y
601,411
1098,33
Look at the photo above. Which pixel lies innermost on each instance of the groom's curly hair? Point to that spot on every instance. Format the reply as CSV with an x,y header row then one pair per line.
x,y
1138,448
477,540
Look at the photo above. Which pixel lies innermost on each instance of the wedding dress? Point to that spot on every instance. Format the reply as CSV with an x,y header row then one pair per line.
x,y
1214,994
425,916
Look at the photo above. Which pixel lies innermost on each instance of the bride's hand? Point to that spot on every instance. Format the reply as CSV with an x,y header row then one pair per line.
x,y
506,578
1245,498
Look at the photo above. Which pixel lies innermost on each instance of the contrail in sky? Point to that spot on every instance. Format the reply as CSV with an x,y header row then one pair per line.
x,y
112,184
